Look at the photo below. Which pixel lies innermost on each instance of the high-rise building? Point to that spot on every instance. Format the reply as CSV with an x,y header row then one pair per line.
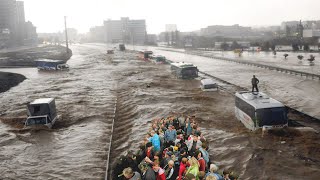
x,y
20,17
125,30
13,25
8,16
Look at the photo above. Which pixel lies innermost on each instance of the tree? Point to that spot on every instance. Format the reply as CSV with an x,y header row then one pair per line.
x,y
300,57
235,45
295,47
265,46
224,46
306,47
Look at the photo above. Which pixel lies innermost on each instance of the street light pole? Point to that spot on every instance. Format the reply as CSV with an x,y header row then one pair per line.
x,y
65,29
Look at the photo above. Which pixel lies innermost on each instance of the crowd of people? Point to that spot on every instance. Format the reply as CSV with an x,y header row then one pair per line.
x,y
174,148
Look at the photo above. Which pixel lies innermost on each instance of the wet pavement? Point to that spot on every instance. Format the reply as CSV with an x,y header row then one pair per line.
x,y
77,146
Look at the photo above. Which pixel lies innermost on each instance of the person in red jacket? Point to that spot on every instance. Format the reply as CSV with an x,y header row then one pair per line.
x,y
160,172
201,161
182,168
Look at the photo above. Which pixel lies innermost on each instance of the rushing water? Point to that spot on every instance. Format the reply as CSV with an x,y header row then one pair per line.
x,y
77,146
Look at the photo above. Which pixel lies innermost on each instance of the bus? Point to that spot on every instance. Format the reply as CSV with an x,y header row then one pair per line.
x,y
257,110
184,70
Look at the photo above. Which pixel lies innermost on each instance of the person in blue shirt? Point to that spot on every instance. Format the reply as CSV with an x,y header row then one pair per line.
x,y
170,136
155,140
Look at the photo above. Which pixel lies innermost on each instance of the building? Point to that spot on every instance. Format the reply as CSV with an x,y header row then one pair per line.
x,y
309,33
97,34
290,24
125,30
151,39
234,31
12,24
72,35
171,28
8,21
30,34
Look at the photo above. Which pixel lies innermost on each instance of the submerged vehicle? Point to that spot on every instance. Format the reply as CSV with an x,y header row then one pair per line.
x,y
159,59
41,113
257,110
110,52
147,55
184,70
48,64
208,85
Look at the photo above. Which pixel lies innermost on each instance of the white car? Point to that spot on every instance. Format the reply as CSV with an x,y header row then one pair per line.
x,y
208,85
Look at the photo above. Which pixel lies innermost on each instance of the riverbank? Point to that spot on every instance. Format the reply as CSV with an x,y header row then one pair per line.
x,y
26,57
9,80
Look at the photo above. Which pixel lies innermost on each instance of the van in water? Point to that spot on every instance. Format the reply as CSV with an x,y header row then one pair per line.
x,y
41,113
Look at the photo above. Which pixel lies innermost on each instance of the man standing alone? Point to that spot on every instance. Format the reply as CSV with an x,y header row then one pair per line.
x,y
255,83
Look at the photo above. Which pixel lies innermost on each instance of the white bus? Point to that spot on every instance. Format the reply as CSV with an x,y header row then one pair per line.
x,y
257,110
184,70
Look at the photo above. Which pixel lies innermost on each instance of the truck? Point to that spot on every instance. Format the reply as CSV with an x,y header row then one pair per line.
x,y
48,64
41,113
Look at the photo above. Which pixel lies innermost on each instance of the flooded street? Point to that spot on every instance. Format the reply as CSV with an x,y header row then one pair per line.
x,y
294,91
77,146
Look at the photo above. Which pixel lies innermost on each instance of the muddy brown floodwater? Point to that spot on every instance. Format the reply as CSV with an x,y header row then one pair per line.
x,y
77,146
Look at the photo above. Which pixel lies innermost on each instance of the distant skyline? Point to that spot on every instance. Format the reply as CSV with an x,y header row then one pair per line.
x,y
189,15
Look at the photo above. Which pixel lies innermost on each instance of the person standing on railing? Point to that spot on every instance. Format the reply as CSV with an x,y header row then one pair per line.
x,y
255,82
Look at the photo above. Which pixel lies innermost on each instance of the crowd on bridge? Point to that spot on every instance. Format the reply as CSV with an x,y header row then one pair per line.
x,y
174,148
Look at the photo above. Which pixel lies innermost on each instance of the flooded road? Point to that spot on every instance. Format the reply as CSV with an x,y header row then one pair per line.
x,y
294,91
77,146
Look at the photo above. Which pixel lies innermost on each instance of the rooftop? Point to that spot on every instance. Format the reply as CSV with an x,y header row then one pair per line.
x,y
259,100
42,101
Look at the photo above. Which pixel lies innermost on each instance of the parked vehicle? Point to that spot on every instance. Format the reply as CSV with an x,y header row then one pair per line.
x,y
184,70
41,113
48,64
257,110
208,85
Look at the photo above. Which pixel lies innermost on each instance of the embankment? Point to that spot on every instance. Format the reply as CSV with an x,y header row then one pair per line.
x,y
26,57
9,80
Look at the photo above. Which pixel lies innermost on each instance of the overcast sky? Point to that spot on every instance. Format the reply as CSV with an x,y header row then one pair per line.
x,y
189,15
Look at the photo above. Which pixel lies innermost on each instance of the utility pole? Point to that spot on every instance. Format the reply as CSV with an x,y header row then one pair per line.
x,y
132,35
65,29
